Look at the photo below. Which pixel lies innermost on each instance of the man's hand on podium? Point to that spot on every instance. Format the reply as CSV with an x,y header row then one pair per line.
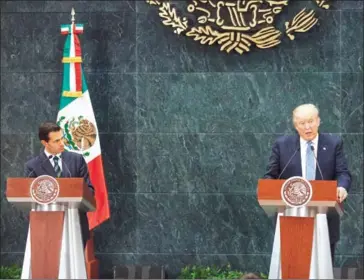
x,y
341,194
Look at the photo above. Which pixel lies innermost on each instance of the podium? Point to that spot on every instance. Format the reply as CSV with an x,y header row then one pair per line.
x,y
301,246
54,248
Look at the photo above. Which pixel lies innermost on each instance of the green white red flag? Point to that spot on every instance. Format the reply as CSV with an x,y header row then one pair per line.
x,y
77,119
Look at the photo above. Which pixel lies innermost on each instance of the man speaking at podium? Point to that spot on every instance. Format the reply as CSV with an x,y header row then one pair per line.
x,y
297,155
56,162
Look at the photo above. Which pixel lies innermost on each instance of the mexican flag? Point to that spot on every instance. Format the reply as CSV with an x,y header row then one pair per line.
x,y
77,119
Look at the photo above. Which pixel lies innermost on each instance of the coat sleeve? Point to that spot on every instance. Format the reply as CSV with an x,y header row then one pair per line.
x,y
342,173
273,167
83,172
29,171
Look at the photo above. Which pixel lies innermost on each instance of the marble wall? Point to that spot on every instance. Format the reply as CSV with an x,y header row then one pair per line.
x,y
186,130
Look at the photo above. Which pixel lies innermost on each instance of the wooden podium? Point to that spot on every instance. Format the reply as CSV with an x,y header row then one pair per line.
x,y
301,247
54,248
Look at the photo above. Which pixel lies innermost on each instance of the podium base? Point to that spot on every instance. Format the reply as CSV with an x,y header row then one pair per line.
x,y
71,256
320,263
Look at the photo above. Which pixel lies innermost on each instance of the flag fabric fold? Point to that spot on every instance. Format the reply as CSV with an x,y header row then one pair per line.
x,y
77,119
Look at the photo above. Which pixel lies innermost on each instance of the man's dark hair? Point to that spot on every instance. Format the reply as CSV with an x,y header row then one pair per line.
x,y
47,127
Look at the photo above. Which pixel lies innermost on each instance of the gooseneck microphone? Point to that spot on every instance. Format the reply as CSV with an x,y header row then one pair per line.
x,y
289,161
317,163
48,158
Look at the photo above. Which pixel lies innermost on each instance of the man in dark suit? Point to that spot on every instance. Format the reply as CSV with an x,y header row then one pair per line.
x,y
296,155
55,161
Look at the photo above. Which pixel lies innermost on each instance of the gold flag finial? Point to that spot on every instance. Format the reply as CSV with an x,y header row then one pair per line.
x,y
73,15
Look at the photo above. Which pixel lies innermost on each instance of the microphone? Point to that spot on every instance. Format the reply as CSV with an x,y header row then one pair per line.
x,y
48,158
317,163
65,165
289,161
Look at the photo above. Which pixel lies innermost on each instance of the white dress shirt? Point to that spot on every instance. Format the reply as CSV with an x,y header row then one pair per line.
x,y
303,146
52,161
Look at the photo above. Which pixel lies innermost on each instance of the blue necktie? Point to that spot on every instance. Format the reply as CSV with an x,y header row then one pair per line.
x,y
57,169
310,162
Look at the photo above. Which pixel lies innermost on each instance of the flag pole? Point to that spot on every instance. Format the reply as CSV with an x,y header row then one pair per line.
x,y
77,119
92,264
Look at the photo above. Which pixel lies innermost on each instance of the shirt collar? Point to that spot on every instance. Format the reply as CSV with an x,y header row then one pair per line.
x,y
49,154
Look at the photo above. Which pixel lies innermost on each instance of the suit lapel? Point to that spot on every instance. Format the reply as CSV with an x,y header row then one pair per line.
x,y
65,172
46,165
320,149
297,158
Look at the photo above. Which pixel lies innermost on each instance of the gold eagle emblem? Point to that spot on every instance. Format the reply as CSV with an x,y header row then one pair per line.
x,y
235,25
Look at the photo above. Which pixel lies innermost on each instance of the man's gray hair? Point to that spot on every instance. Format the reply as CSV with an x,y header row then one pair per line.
x,y
306,108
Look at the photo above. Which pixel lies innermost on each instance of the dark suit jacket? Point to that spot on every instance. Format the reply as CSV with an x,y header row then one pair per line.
x,y
73,165
332,161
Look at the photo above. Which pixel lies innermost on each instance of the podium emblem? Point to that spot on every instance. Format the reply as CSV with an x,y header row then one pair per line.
x,y
296,191
44,189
